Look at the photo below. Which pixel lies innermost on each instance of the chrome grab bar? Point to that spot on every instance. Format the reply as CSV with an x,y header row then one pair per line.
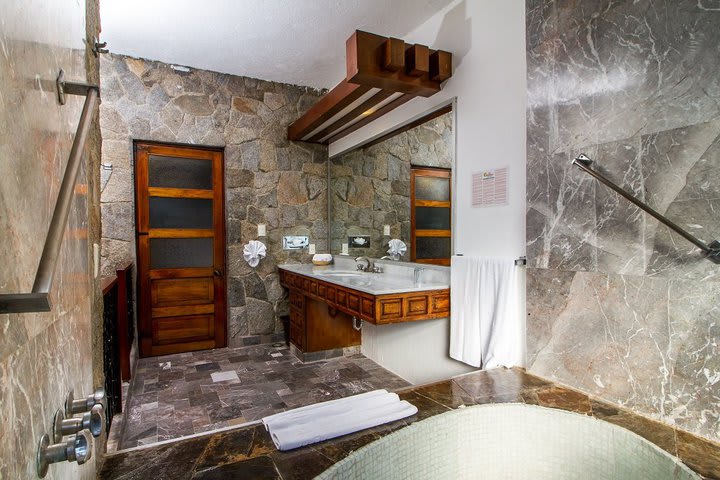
x,y
38,300
711,251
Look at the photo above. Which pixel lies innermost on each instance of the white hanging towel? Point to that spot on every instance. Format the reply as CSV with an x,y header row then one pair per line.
x,y
487,328
397,248
253,252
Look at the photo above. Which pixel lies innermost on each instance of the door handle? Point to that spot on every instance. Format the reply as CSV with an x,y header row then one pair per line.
x,y
217,273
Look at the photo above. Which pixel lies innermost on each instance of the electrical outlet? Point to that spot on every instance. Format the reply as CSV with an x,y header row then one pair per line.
x,y
386,230
262,230
311,249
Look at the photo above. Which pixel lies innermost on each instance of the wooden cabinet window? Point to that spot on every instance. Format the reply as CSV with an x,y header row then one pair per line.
x,y
430,215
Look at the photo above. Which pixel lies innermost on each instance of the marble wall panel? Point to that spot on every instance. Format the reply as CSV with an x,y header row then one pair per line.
x,y
370,186
618,305
268,179
43,355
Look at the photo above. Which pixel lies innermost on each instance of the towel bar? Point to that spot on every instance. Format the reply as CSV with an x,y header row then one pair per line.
x,y
520,261
711,251
38,299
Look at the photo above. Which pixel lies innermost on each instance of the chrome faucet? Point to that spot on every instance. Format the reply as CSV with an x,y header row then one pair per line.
x,y
369,266
416,274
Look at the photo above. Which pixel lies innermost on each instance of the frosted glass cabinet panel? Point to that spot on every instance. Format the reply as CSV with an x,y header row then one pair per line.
x,y
430,215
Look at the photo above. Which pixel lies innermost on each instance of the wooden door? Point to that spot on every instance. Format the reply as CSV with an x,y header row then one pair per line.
x,y
180,228
430,215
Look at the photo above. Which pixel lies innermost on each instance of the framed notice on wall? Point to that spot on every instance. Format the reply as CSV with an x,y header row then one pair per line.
x,y
490,188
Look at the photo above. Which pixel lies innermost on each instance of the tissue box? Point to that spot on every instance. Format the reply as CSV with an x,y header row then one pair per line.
x,y
322,259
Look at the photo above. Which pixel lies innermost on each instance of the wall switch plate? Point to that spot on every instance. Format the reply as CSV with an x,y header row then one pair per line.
x,y
386,230
262,231
96,260
295,242
311,249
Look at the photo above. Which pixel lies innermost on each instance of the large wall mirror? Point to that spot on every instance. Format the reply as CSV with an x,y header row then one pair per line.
x,y
396,187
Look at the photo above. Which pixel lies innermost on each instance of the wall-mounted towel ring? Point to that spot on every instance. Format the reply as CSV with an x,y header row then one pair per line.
x,y
253,252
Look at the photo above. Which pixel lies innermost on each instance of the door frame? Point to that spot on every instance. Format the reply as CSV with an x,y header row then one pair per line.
x,y
142,285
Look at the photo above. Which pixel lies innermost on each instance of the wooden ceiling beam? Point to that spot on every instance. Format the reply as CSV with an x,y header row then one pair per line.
x,y
352,115
328,106
366,59
394,55
373,61
417,60
376,114
440,66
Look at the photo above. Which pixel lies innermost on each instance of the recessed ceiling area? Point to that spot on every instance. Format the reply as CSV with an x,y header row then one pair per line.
x,y
300,42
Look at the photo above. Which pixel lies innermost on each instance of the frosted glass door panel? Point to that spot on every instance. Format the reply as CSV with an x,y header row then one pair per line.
x,y
181,213
181,252
432,188
172,172
432,218
432,247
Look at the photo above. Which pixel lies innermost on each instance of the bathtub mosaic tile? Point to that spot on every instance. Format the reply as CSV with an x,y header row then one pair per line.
x,y
179,395
244,452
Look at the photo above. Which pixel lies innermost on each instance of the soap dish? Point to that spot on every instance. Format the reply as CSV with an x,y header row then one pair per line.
x,y
322,259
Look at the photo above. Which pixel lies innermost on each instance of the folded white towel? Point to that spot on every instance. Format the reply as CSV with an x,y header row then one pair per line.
x,y
315,423
253,252
332,407
397,248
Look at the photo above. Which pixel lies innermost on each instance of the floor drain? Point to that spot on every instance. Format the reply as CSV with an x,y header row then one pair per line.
x,y
278,344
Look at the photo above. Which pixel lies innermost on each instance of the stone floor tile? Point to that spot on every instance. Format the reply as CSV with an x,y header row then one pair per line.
x,y
195,392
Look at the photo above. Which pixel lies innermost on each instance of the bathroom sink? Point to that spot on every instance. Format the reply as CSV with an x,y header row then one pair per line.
x,y
341,274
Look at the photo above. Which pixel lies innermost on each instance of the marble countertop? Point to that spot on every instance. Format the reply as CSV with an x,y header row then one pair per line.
x,y
372,283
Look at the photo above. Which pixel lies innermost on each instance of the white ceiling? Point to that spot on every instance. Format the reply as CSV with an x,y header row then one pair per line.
x,y
300,42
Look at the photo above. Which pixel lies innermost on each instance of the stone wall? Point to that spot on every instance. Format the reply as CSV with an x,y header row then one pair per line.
x,y
267,178
44,355
619,306
370,186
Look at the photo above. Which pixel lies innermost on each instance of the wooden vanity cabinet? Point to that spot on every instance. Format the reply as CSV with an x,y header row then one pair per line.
x,y
377,309
297,319
314,326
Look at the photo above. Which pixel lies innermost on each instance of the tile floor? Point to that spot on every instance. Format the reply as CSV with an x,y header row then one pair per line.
x,y
179,395
248,452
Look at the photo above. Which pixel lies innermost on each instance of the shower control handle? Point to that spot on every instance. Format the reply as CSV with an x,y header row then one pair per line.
x,y
74,406
93,421
75,449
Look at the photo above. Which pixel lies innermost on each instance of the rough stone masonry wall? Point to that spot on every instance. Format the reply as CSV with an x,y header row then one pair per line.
x,y
617,305
267,178
370,186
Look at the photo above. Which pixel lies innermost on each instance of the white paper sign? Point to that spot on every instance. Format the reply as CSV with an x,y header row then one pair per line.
x,y
490,187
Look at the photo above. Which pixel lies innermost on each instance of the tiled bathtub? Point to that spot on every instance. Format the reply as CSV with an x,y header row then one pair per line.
x,y
511,441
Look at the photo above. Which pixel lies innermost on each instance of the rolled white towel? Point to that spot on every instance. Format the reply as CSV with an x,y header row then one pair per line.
x,y
333,407
397,248
326,427
253,252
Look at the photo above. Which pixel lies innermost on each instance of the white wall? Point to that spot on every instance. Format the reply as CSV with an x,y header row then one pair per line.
x,y
416,351
487,39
